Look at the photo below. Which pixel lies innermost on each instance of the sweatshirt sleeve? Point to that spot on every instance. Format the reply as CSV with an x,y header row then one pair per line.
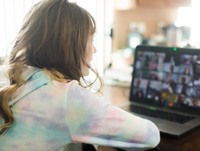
x,y
92,120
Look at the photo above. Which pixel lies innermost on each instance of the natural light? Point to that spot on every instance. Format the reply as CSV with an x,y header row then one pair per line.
x,y
13,11
188,16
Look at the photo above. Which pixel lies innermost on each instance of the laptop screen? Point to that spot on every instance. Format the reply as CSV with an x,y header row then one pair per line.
x,y
167,77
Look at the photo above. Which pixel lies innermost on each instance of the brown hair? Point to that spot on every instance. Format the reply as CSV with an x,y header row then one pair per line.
x,y
53,37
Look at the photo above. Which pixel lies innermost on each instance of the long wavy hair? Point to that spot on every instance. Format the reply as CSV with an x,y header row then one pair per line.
x,y
53,37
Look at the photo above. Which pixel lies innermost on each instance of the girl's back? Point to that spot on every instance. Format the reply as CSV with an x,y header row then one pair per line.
x,y
46,106
57,115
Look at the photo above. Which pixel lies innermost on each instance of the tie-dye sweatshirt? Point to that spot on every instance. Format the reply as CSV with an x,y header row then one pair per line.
x,y
58,116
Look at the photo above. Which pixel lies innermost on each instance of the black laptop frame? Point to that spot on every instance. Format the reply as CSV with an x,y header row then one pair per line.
x,y
170,50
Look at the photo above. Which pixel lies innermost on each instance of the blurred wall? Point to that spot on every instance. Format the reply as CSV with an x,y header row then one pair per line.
x,y
150,16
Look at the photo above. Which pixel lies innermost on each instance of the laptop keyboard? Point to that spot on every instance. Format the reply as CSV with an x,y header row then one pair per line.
x,y
178,118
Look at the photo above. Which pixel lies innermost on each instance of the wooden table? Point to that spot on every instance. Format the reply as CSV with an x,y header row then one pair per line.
x,y
187,142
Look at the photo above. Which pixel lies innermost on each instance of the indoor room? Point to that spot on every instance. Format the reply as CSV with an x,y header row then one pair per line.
x,y
144,62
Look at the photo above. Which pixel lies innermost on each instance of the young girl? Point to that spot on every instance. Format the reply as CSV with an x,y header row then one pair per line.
x,y
46,107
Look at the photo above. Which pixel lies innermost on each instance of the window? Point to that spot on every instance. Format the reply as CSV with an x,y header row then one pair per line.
x,y
188,16
13,11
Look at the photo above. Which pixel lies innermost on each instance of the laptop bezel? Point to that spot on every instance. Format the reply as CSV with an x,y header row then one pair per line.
x,y
169,50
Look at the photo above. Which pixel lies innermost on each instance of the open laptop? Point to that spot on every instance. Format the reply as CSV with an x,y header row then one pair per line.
x,y
165,88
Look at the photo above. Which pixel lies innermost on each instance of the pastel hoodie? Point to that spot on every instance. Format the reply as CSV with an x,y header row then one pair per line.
x,y
58,116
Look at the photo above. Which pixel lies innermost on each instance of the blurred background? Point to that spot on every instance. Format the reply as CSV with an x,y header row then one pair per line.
x,y
171,23
121,26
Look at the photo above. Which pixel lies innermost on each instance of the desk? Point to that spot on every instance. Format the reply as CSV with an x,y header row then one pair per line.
x,y
188,142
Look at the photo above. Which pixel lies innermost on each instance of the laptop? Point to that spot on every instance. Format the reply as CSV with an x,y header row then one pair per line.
x,y
165,88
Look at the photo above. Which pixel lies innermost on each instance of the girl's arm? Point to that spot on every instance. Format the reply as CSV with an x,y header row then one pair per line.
x,y
92,120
